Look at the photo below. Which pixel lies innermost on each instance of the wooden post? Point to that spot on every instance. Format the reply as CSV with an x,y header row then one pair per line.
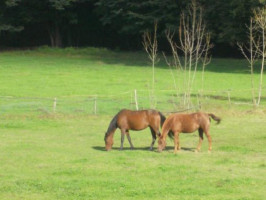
x,y
229,97
198,98
136,100
54,107
95,105
131,100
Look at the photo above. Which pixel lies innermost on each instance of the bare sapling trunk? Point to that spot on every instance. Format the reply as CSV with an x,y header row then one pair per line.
x,y
250,54
256,51
205,60
150,45
175,64
193,45
260,23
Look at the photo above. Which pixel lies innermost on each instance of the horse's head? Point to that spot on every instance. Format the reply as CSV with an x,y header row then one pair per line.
x,y
108,142
161,144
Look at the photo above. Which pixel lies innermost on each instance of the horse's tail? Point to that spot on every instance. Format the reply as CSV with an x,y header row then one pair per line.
x,y
163,118
112,126
218,119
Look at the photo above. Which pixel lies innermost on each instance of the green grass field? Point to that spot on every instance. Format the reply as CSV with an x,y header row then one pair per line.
x,y
47,155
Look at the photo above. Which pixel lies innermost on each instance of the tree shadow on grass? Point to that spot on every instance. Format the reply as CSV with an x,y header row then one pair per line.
x,y
140,58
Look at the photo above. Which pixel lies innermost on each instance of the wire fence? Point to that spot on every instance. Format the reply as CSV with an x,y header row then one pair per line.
x,y
164,100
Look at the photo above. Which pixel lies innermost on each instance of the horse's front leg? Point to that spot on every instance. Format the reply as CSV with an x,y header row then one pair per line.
x,y
153,134
122,139
129,140
176,138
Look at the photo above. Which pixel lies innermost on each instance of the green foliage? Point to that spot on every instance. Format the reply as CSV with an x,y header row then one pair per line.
x,y
61,4
10,3
227,20
10,28
114,24
134,17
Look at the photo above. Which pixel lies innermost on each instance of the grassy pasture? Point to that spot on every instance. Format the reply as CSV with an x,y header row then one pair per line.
x,y
46,155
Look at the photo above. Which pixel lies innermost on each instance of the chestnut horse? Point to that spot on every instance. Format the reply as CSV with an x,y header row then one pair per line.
x,y
127,120
186,123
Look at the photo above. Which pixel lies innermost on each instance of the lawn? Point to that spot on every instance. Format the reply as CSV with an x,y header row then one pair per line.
x,y
60,155
76,77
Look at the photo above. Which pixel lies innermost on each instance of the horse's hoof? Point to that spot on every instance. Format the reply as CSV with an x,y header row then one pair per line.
x,y
196,151
209,151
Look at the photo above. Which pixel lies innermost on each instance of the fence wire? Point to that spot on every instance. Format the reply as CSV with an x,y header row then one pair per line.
x,y
163,100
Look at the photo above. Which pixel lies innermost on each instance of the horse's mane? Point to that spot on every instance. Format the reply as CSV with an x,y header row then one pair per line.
x,y
112,126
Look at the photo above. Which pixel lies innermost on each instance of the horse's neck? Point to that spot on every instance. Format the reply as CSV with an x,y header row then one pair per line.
x,y
164,136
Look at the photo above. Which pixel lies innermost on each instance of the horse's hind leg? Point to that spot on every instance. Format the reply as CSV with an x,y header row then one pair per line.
x,y
209,139
200,139
153,138
129,140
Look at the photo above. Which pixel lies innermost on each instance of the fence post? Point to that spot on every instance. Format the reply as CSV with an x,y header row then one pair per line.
x,y
54,107
229,97
198,98
136,99
95,105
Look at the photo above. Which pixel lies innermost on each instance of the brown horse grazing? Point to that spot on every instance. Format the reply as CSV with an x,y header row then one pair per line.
x,y
186,123
127,120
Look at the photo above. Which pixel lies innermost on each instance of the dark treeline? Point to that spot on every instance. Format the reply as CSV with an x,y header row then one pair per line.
x,y
116,24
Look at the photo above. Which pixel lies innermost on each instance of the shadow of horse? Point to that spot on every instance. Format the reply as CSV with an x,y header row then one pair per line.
x,y
169,148
99,148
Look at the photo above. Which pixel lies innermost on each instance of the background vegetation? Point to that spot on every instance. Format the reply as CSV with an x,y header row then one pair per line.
x,y
117,24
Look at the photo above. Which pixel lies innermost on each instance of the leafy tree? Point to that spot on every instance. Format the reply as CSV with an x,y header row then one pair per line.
x,y
227,19
8,20
114,23
55,16
136,16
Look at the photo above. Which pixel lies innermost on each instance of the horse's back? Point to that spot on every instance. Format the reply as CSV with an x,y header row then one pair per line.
x,y
134,120
187,123
203,119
